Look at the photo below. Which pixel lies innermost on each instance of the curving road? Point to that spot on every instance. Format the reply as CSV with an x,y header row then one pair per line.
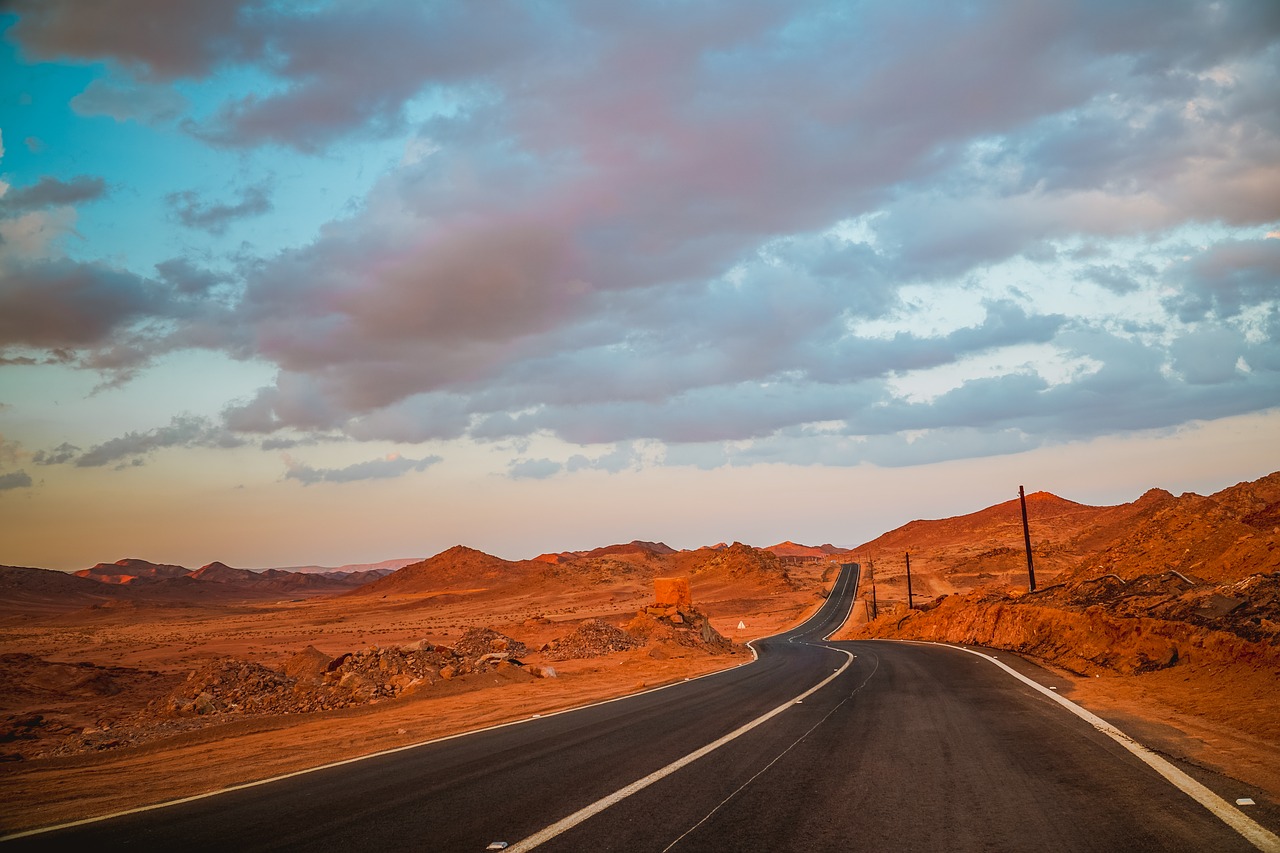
x,y
816,746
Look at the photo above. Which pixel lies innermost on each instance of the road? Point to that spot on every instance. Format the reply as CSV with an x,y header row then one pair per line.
x,y
904,747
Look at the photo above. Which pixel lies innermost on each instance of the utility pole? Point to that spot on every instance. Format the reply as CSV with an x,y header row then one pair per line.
x,y
910,601
871,570
1026,538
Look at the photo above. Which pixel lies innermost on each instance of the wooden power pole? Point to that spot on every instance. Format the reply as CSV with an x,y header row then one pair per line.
x,y
910,601
1026,538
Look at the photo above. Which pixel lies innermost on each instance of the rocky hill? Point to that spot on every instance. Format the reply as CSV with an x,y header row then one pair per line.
x,y
793,549
1225,536
457,568
131,570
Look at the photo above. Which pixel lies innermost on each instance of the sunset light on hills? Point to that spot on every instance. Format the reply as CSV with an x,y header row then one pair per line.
x,y
337,282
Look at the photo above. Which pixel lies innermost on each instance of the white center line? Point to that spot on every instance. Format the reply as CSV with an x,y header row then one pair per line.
x,y
544,835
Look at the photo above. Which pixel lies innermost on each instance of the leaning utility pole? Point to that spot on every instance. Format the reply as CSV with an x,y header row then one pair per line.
x,y
910,602
1026,538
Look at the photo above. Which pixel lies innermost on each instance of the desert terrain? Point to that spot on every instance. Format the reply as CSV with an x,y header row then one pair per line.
x,y
131,683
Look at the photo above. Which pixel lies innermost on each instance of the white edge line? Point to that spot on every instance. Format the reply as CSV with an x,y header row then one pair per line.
x,y
26,833
1253,832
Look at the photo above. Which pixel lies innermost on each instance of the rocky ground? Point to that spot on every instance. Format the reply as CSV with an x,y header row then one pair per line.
x,y
149,705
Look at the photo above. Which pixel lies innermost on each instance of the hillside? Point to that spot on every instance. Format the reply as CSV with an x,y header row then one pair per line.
x,y
458,568
1226,536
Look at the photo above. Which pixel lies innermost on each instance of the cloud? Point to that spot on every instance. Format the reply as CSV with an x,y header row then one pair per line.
x,y
15,480
353,68
60,455
1226,278
68,304
713,229
52,192
148,104
215,217
534,469
133,447
9,450
390,466
181,38
188,279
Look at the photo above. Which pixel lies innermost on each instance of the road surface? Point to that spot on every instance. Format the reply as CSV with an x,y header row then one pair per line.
x,y
899,747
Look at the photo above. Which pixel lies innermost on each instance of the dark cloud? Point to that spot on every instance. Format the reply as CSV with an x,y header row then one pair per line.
x,y
52,192
15,480
68,304
133,447
390,466
216,217
162,39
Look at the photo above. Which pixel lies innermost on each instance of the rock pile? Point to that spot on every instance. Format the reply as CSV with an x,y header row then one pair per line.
x,y
591,639
478,642
688,627
312,681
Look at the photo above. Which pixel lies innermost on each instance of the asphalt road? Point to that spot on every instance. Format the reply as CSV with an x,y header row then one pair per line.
x,y
906,747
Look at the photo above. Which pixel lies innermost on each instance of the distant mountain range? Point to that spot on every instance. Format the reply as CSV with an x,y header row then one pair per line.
x,y
1225,536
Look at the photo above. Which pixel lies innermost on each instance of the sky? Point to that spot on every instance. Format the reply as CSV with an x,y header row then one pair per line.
x,y
336,282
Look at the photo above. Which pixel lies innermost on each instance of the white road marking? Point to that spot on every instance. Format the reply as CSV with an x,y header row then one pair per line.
x,y
1245,801
1254,833
565,824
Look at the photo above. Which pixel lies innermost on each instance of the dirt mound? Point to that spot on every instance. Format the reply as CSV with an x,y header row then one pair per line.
x,y
592,638
475,643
